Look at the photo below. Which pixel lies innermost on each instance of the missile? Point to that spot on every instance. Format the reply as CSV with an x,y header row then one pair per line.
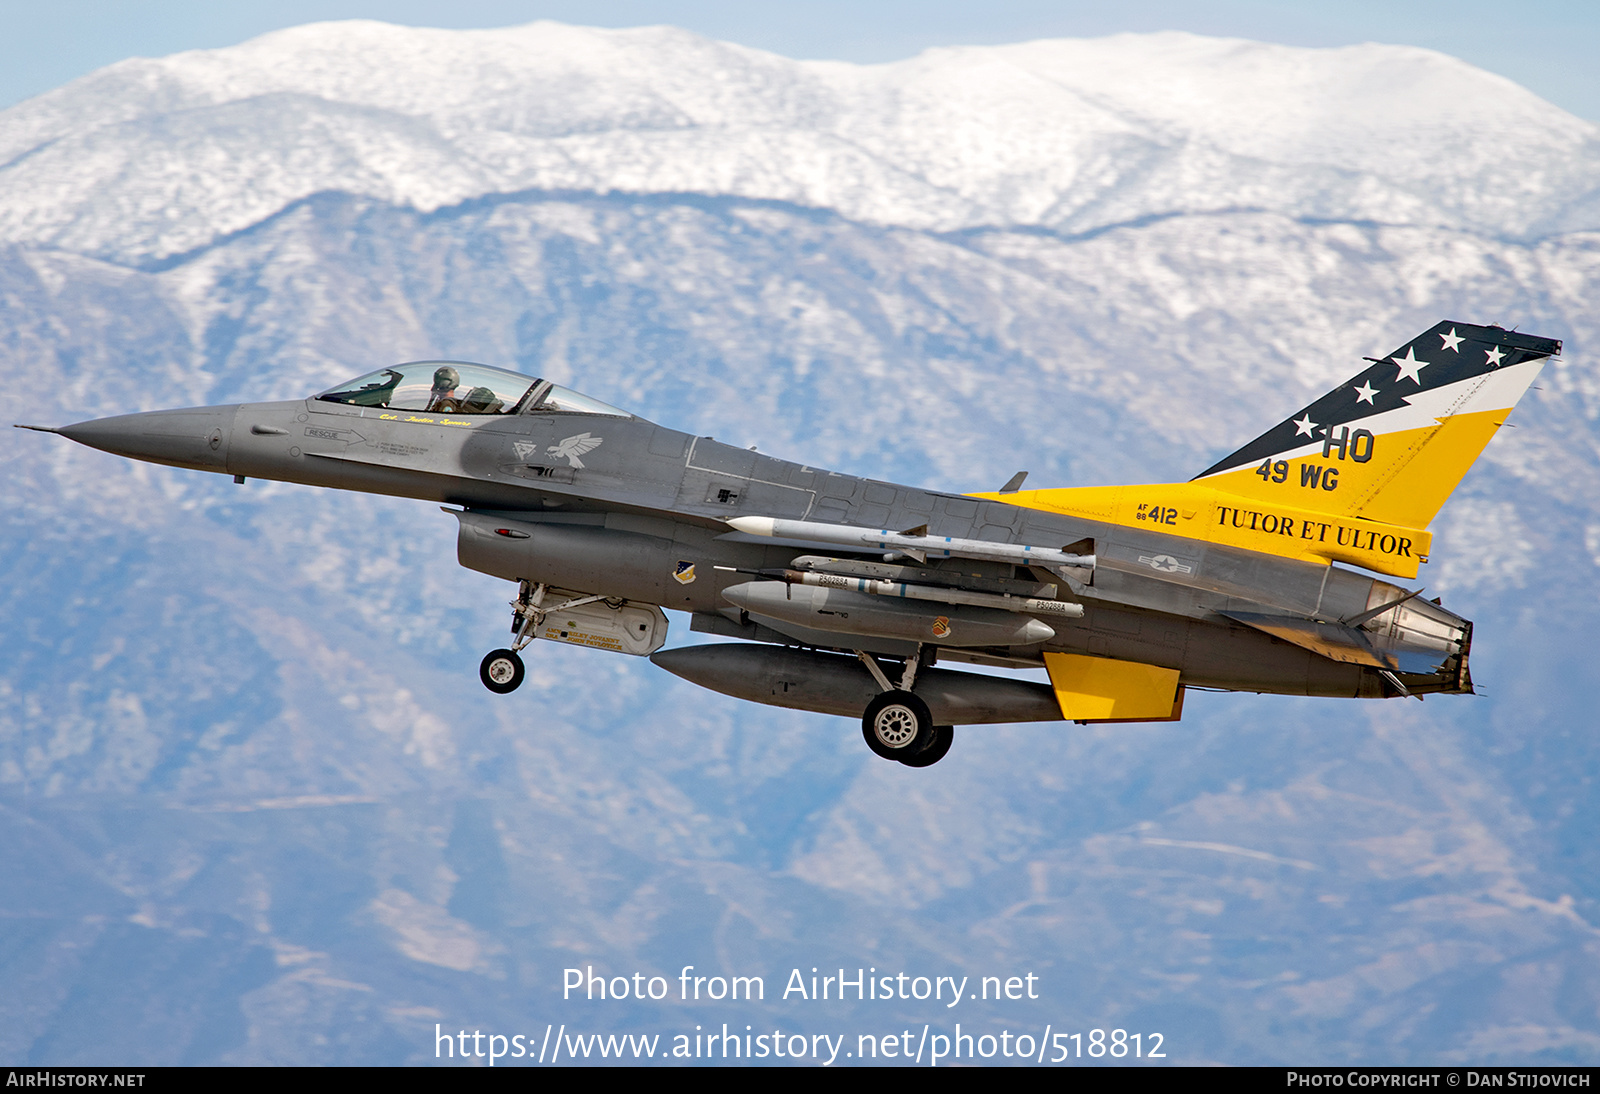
x,y
833,684
950,578
915,543
903,591
853,613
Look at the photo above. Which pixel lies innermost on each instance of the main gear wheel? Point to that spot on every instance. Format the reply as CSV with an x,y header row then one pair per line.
x,y
897,725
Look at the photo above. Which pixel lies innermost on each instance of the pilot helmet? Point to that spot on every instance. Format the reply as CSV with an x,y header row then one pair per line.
x,y
445,379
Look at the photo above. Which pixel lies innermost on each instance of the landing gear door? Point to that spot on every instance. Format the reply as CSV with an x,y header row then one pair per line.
x,y
636,629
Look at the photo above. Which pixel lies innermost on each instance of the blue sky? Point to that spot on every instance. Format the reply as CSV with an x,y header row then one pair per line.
x,y
1546,45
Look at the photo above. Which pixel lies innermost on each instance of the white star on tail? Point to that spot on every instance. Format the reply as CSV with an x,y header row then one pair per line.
x,y
573,447
1451,340
1304,426
1365,392
1409,366
1494,356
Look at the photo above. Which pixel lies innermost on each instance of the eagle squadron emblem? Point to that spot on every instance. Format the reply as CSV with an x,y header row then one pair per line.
x,y
573,447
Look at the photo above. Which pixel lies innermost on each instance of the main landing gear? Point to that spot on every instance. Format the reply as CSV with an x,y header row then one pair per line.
x,y
897,724
943,738
502,671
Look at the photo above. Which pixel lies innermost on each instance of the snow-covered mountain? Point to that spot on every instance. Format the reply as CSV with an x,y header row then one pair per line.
x,y
256,806
152,158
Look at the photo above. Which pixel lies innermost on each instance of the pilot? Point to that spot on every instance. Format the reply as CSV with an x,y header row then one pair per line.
x,y
445,382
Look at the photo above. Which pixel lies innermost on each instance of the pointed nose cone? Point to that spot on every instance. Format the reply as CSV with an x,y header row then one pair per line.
x,y
196,438
1035,631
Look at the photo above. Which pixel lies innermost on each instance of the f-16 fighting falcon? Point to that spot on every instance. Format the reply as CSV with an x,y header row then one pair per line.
x,y
848,591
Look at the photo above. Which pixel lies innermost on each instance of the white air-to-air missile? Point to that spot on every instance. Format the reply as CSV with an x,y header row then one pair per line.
x,y
849,590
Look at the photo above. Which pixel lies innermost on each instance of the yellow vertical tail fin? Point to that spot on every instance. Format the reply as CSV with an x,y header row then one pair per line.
x,y
1355,477
1392,443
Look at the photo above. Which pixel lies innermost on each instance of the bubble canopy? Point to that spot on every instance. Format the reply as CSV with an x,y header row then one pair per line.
x,y
459,387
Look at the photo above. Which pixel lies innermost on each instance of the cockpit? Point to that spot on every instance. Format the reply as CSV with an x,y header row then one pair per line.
x,y
457,387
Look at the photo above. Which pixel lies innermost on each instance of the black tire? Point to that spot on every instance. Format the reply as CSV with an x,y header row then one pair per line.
x,y
502,671
897,724
943,738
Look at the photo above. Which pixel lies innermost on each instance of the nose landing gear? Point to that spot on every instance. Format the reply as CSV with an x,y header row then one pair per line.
x,y
502,671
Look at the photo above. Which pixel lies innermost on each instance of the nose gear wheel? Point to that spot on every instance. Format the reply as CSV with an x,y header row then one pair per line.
x,y
502,671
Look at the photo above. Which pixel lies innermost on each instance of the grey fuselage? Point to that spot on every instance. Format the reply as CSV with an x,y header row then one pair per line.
x,y
624,517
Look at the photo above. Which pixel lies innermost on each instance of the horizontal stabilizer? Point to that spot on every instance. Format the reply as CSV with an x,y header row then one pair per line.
x,y
1342,642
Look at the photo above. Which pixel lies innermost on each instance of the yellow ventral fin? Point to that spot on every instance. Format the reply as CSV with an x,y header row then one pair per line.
x,y
1100,689
1355,477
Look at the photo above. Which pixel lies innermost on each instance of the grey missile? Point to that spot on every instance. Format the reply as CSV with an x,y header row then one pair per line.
x,y
951,578
920,547
830,683
847,613
901,590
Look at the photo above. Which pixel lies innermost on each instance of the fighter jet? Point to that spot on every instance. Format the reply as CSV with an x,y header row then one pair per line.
x,y
1256,575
